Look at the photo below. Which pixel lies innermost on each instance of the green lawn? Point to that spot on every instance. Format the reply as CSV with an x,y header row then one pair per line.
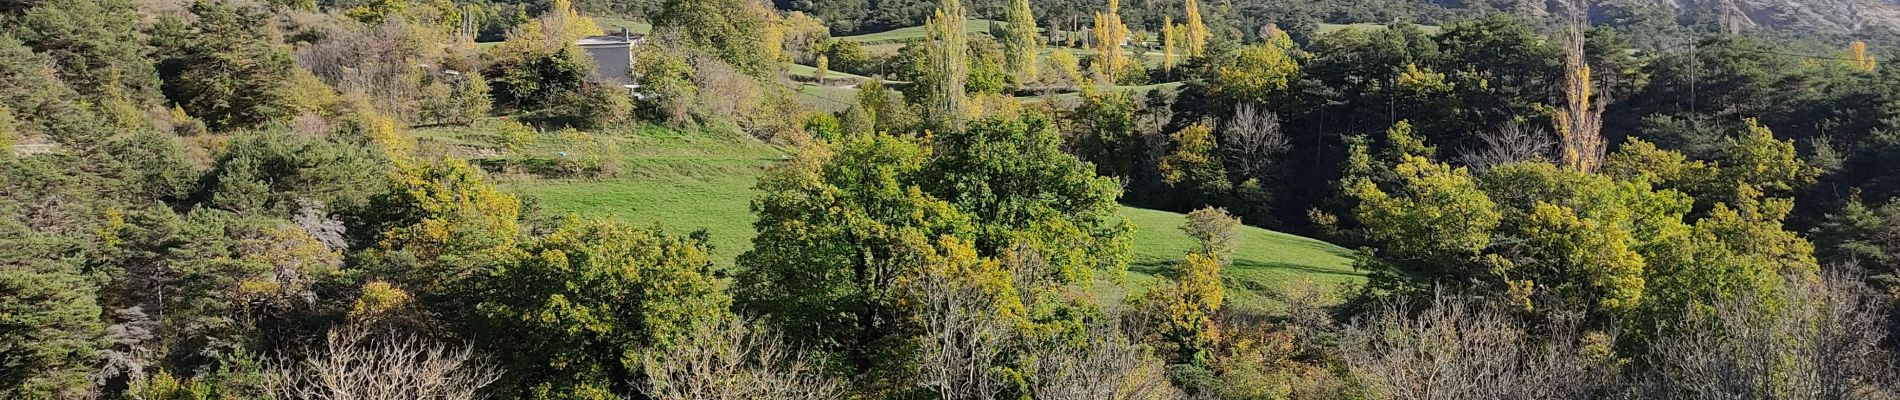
x,y
613,24
1265,263
1330,28
917,32
808,71
689,181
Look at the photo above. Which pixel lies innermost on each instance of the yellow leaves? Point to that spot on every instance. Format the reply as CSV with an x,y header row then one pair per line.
x,y
1195,30
1580,123
1195,160
1023,43
1423,80
1201,281
378,299
1255,73
114,226
1438,215
1110,35
1859,59
1601,252
9,131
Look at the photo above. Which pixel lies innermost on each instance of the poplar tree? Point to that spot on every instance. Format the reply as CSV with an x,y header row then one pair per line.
x,y
1859,58
1196,30
948,55
1169,37
1580,124
1110,33
1020,44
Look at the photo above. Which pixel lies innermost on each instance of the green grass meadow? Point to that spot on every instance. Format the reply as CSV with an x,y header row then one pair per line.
x,y
703,180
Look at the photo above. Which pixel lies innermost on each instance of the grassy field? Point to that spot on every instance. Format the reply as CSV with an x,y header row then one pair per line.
x,y
1265,263
916,32
1330,28
703,180
682,181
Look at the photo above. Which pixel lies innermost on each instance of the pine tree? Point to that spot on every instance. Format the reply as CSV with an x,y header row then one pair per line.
x,y
1021,45
1196,32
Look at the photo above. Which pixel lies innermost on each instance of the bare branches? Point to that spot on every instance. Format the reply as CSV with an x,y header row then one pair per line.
x,y
1455,351
962,338
727,360
1511,144
1107,368
1580,123
360,363
1822,343
1252,138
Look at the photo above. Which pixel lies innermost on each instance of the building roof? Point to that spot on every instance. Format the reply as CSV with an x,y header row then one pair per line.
x,y
609,40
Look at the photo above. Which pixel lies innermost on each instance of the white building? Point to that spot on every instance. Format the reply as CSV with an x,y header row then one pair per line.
x,y
612,55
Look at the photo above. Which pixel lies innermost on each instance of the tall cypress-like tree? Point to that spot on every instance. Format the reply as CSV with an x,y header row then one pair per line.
x,y
948,54
1110,35
1020,45
1196,32
1859,58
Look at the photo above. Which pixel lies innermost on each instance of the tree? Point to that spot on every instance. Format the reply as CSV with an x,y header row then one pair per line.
x,y
1438,216
272,170
1195,35
1191,298
946,67
360,362
95,46
1111,60
439,232
1022,42
49,320
224,67
736,31
1580,124
838,226
1859,59
1251,140
966,308
1031,200
1195,161
1213,228
1255,74
726,359
1107,132
588,301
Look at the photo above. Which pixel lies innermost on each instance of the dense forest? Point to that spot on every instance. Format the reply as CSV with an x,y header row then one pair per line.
x,y
428,199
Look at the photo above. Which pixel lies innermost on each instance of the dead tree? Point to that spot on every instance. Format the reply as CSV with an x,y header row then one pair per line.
x,y
728,360
362,363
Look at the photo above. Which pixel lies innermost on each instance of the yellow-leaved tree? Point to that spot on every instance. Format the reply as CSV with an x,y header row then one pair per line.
x,y
1110,35
1195,33
1020,43
1859,58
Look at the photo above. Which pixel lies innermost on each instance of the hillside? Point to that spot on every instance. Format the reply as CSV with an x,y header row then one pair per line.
x,y
689,181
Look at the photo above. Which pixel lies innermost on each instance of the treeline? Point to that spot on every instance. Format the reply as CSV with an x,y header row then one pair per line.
x,y
220,200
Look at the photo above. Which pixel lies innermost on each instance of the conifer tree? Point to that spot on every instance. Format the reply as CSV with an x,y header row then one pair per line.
x,y
1021,44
